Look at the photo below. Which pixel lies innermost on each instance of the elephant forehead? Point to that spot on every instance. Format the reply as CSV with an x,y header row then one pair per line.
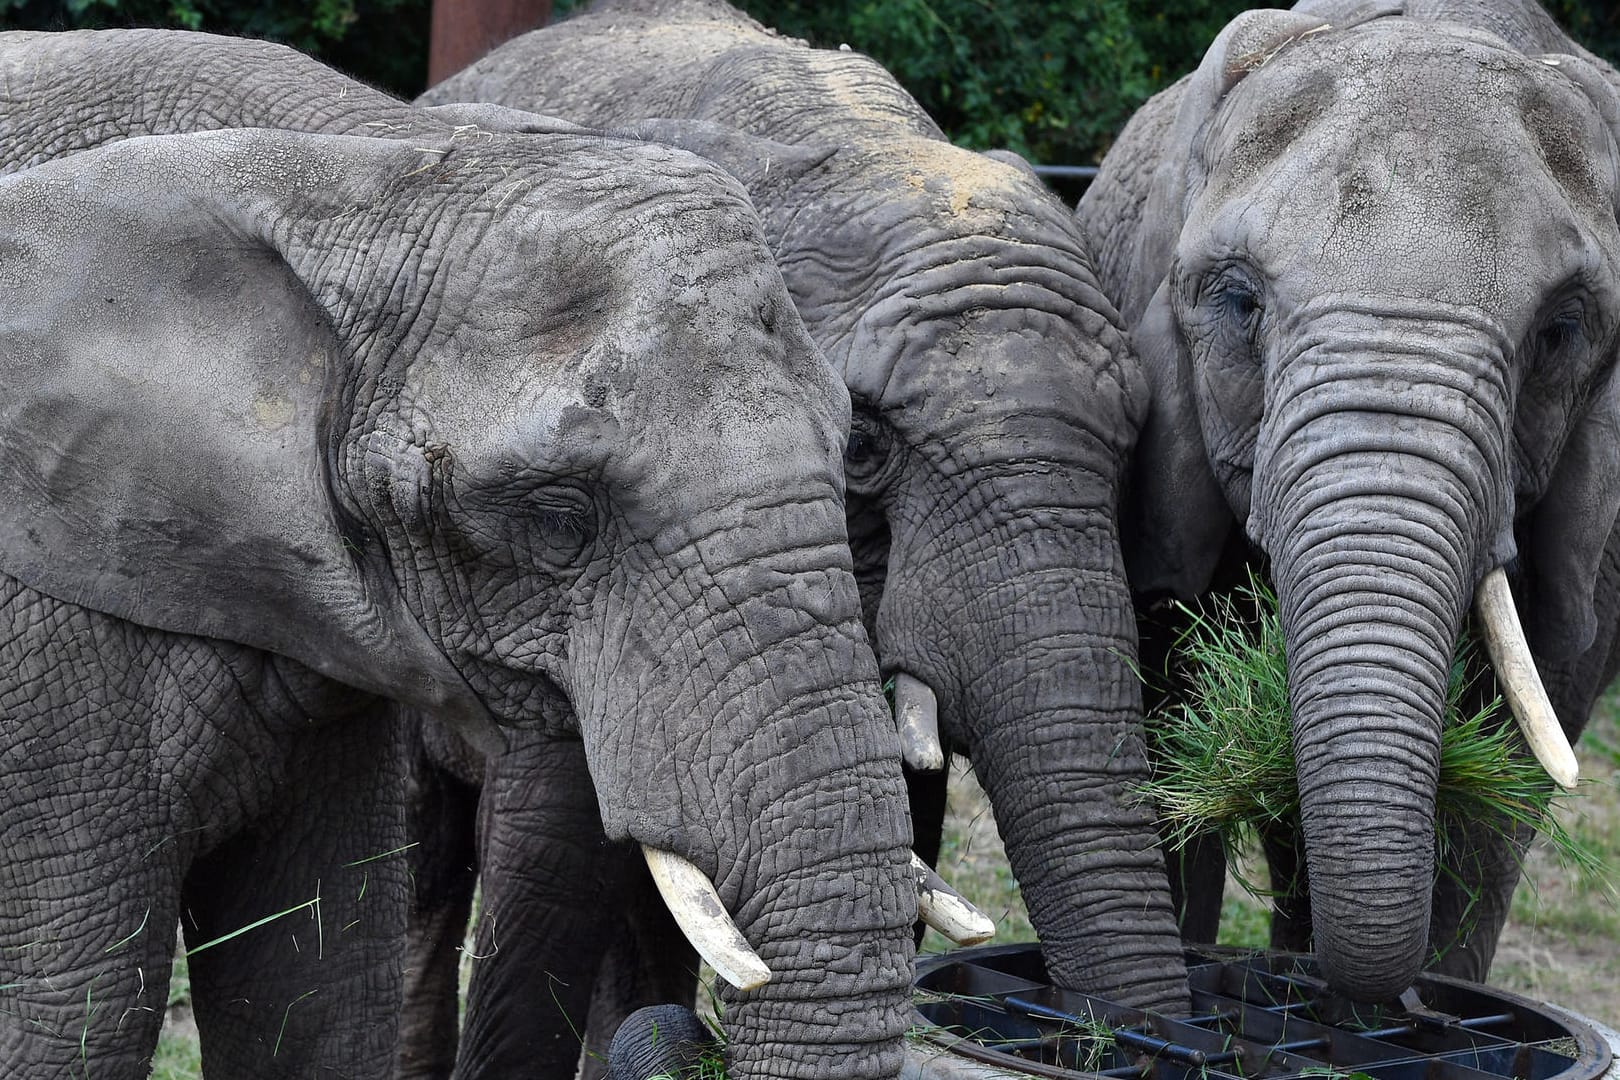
x,y
1463,90
671,308
661,410
1431,165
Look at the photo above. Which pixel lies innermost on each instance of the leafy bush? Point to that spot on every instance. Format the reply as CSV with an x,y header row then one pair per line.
x,y
1054,80
380,41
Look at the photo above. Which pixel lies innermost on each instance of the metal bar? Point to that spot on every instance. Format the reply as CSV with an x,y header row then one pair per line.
x,y
1045,1011
1284,1008
1067,172
1005,1045
1212,1019
1126,1036
1158,1047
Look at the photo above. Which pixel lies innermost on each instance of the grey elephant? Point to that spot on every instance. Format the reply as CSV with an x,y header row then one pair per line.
x,y
995,403
504,428
1368,253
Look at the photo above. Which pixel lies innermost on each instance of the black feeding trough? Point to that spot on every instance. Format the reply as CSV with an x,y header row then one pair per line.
x,y
992,1012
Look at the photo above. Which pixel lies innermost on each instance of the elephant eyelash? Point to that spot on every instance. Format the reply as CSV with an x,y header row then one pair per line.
x,y
1559,332
561,522
1231,293
1238,302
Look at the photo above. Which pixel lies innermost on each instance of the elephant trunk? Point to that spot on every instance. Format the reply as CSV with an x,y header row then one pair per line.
x,y
1034,673
837,1001
751,669
1385,492
1062,757
1367,678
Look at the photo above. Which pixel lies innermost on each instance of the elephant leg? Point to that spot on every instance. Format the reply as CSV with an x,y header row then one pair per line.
x,y
552,889
86,932
1197,882
443,813
98,819
314,988
1291,895
649,963
1479,869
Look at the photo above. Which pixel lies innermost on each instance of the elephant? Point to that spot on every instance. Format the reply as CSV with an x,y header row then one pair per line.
x,y
307,431
1368,256
995,402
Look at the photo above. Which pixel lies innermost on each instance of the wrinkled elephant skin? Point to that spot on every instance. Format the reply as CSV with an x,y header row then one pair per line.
x,y
1370,262
302,428
995,402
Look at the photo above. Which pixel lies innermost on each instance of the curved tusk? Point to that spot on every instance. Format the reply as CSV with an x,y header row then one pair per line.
x,y
703,919
943,908
1521,683
916,711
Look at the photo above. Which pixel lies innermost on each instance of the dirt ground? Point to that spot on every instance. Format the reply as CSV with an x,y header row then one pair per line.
x,y
1562,943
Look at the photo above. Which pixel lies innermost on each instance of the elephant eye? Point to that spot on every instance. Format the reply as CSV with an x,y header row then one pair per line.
x,y
1559,332
867,452
564,526
1226,304
1238,301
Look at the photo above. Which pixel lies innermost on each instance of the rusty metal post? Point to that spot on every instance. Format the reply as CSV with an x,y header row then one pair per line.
x,y
464,30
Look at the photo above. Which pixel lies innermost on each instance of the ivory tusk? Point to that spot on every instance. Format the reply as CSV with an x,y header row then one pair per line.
x,y
943,908
1520,682
916,712
704,920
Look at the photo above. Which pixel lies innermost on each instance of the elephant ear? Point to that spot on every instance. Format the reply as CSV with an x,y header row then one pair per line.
x,y
171,400
1178,519
1572,525
759,164
1247,43
1179,514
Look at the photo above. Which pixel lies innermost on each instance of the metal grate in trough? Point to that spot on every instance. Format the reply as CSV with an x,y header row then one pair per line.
x,y
1256,1016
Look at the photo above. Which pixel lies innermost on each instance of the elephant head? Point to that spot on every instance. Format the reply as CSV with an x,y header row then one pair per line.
x,y
1374,281
521,429
995,401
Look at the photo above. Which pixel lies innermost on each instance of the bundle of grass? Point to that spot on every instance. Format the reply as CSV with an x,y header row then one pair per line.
x,y
1223,760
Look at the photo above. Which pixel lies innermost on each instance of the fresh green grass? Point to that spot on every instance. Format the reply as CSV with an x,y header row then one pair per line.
x,y
1223,761
177,1059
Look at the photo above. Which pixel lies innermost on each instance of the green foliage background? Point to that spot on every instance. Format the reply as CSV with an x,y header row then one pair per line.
x,y
383,42
1051,79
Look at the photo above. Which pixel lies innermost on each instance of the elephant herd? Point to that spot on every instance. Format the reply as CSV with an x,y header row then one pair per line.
x,y
546,476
